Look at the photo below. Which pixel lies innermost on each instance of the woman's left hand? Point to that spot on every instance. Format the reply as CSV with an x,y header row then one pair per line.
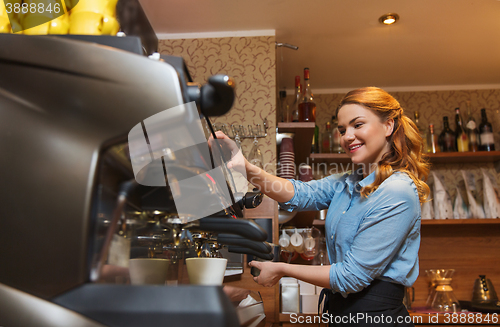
x,y
270,272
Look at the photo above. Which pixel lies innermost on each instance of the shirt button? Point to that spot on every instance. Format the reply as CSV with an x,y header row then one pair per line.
x,y
332,237
343,212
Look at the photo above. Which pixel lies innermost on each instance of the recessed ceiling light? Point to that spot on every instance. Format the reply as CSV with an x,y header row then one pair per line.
x,y
388,19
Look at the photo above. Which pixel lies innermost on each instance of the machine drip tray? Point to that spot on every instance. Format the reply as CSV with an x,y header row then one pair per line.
x,y
151,305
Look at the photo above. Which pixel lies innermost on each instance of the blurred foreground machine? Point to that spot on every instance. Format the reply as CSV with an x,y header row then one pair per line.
x,y
72,212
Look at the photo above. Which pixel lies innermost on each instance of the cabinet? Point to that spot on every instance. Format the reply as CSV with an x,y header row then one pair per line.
x,y
470,246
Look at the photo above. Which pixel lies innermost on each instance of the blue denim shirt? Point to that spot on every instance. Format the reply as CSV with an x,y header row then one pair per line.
x,y
367,237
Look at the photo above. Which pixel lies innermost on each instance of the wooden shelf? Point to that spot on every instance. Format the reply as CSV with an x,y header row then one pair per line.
x,y
445,157
330,158
318,222
460,221
296,127
302,140
455,157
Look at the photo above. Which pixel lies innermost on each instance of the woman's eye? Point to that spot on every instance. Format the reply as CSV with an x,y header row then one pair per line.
x,y
341,132
358,125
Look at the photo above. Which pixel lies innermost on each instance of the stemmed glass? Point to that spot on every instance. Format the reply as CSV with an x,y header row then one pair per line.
x,y
255,155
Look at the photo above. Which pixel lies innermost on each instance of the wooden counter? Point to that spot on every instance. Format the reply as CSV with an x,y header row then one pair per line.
x,y
419,319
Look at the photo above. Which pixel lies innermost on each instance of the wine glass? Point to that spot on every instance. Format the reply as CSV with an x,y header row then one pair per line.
x,y
255,155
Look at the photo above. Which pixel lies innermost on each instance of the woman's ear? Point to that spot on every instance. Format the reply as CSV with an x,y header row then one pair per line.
x,y
389,127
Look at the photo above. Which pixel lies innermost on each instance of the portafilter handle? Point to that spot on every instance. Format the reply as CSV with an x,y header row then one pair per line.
x,y
228,239
245,250
244,227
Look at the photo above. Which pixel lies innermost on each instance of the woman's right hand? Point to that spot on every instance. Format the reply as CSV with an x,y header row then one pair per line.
x,y
277,188
237,161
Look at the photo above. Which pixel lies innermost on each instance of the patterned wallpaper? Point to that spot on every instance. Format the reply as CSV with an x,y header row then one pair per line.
x,y
251,62
433,105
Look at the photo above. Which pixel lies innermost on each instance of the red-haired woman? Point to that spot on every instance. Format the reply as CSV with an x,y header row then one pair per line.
x,y
372,227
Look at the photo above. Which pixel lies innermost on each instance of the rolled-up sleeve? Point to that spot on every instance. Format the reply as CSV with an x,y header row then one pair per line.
x,y
314,195
390,226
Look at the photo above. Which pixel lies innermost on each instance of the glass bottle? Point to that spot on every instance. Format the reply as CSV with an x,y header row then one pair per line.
x,y
486,133
432,141
296,101
283,113
460,133
447,137
336,147
314,145
472,131
326,140
307,107
422,130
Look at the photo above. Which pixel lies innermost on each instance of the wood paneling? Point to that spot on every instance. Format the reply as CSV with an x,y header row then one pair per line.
x,y
469,249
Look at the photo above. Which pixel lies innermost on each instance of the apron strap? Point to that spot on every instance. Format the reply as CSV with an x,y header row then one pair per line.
x,y
326,296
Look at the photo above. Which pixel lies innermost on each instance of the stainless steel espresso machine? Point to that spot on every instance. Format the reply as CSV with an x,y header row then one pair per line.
x,y
73,212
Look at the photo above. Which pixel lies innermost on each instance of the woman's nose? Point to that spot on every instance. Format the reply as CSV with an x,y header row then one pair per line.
x,y
349,135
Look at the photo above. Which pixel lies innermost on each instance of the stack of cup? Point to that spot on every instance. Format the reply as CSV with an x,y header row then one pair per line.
x,y
287,159
305,173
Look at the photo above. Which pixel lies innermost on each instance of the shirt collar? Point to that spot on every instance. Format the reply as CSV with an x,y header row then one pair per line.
x,y
357,178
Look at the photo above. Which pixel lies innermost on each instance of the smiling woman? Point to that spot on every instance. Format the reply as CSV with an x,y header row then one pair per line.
x,y
372,226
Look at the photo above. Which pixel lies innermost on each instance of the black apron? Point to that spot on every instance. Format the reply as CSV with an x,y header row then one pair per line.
x,y
379,304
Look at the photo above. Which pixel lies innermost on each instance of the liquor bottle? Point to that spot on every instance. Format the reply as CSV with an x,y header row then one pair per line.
x,y
460,134
472,131
315,141
283,113
447,137
432,141
326,140
336,147
422,130
296,101
486,133
307,107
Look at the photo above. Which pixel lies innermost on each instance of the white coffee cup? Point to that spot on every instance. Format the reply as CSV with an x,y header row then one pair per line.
x,y
206,271
148,271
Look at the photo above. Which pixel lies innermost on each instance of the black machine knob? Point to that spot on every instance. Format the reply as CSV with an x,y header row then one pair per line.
x,y
251,199
217,96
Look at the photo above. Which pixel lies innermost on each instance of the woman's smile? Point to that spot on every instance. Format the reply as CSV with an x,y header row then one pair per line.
x,y
354,147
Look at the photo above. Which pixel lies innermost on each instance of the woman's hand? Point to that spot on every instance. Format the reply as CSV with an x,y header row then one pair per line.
x,y
276,188
229,148
270,272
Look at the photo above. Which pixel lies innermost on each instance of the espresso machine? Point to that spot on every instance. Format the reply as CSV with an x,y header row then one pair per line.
x,y
84,188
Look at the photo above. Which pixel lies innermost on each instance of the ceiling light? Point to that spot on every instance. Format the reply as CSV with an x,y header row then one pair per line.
x,y
388,19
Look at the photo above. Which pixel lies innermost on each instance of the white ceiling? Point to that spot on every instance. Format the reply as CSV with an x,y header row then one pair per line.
x,y
437,44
